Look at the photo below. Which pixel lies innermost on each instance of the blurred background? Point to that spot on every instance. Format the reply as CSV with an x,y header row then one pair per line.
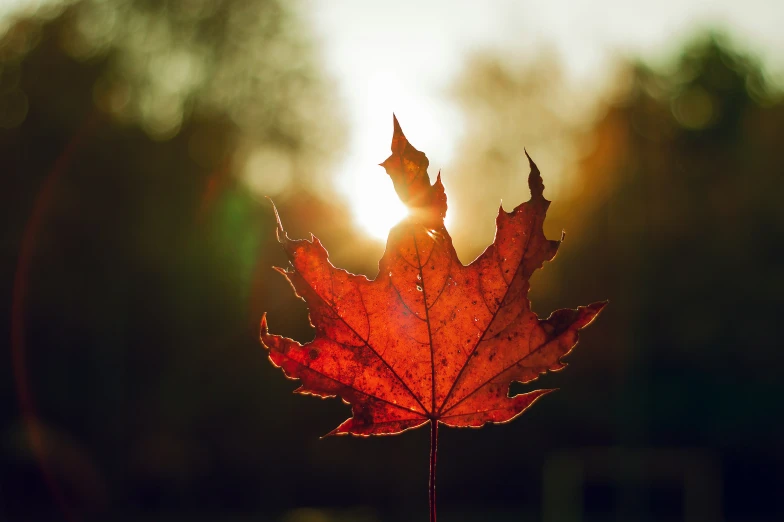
x,y
138,139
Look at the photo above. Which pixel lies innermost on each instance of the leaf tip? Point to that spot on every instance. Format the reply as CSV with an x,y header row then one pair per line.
x,y
399,140
340,430
263,329
535,183
264,322
280,229
592,312
534,396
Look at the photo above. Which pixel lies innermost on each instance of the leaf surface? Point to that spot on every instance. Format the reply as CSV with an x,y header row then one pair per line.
x,y
429,338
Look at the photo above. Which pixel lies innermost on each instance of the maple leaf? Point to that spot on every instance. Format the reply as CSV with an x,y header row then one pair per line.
x,y
428,340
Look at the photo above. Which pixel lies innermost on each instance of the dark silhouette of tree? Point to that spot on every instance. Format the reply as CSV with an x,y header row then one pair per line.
x,y
676,214
672,211
126,127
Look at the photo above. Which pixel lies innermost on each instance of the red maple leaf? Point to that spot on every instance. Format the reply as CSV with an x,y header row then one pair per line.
x,y
429,340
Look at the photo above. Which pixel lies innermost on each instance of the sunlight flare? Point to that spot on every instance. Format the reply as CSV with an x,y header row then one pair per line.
x,y
368,189
376,206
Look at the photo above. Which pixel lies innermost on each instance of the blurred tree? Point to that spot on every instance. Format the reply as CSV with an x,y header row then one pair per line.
x,y
506,104
672,212
136,137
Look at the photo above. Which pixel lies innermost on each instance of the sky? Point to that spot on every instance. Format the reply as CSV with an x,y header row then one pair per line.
x,y
402,56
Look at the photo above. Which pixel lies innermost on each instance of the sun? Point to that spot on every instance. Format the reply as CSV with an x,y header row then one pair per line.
x,y
365,185
375,204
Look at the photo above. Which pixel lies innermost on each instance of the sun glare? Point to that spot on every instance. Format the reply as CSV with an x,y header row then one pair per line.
x,y
376,206
368,189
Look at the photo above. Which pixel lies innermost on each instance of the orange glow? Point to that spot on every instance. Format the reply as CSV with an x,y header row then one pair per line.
x,y
375,205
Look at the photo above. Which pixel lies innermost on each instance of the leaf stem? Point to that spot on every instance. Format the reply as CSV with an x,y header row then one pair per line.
x,y
433,450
